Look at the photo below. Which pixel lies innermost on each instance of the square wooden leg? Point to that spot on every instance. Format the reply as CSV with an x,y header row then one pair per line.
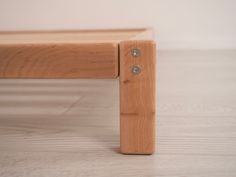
x,y
137,97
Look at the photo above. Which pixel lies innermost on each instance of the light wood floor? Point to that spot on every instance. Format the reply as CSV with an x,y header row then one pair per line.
x,y
70,128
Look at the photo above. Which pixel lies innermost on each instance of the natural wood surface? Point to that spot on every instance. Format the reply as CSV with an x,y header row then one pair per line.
x,y
63,54
70,128
82,36
59,60
137,98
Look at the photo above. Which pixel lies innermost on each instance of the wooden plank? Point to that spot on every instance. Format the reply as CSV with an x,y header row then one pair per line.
x,y
81,36
59,60
137,98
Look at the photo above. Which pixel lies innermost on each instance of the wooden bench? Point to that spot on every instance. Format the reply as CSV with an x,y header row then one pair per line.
x,y
129,55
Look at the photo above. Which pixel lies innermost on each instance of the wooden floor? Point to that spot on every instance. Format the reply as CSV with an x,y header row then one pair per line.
x,y
70,128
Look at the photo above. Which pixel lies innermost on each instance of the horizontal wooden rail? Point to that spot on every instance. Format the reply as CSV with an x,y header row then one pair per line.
x,y
99,60
63,54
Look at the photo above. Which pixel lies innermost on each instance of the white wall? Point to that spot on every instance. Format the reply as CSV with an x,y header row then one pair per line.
x,y
178,23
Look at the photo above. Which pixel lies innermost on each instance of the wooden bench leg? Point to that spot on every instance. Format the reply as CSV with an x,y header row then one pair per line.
x,y
137,97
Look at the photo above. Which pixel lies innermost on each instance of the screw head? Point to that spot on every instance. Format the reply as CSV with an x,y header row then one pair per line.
x,y
135,52
136,69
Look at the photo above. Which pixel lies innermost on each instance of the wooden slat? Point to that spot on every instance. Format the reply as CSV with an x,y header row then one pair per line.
x,y
59,60
84,36
137,98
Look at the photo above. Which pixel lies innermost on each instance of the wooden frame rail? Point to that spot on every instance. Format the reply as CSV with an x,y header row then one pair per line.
x,y
127,54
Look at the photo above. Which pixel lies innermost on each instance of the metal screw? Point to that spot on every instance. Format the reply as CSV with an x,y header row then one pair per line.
x,y
135,52
136,69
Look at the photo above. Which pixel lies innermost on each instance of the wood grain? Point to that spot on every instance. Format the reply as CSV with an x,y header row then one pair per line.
x,y
63,54
137,98
59,60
